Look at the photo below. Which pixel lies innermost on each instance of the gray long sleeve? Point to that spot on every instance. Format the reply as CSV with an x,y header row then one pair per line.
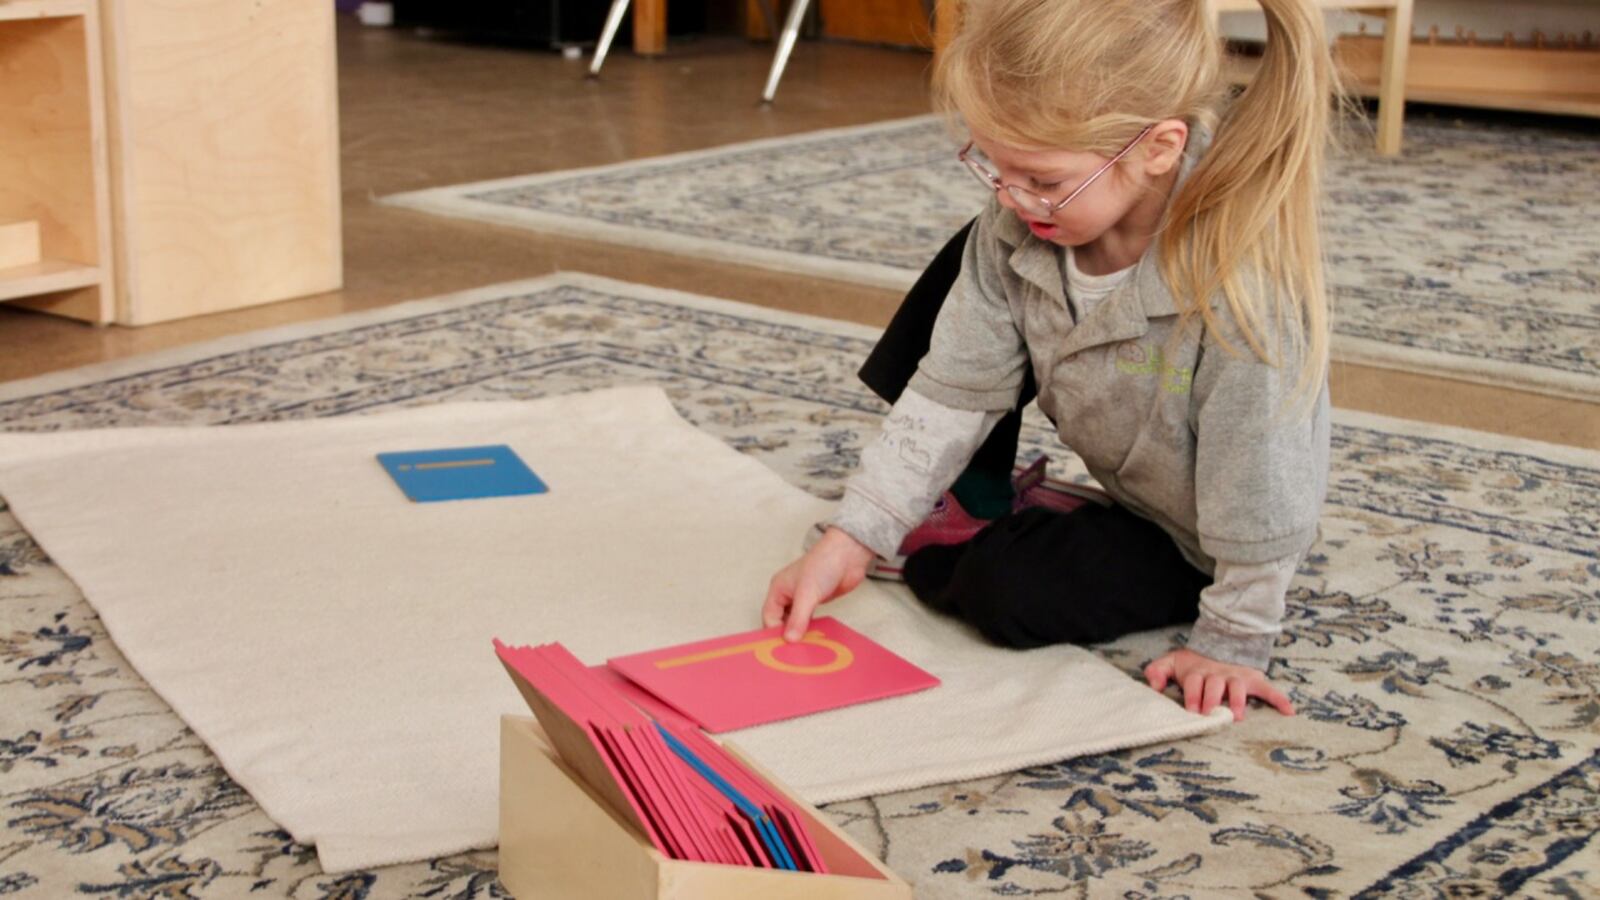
x,y
917,455
1241,613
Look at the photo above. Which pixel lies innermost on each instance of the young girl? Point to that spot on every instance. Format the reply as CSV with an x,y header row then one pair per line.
x,y
1161,292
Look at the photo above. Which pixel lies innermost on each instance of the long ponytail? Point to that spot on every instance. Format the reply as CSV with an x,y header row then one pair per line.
x,y
1247,221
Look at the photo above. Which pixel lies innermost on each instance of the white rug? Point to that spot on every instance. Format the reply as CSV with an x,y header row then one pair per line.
x,y
1472,255
330,640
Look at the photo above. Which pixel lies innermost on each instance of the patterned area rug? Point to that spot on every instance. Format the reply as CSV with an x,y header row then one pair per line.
x,y
1472,256
1441,643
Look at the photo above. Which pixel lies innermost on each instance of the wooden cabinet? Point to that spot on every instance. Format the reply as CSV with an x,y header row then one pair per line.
x,y
224,151
55,244
173,157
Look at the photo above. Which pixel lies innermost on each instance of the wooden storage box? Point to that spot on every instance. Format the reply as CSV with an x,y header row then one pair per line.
x,y
558,839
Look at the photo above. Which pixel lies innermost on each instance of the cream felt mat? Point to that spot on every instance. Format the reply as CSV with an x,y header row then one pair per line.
x,y
330,640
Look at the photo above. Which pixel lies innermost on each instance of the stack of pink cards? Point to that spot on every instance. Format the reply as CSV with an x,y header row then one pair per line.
x,y
632,730
680,789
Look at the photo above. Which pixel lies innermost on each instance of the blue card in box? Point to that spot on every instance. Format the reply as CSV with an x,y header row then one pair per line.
x,y
461,473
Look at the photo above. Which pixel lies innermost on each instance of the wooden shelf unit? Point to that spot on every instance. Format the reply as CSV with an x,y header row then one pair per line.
x,y
224,147
1553,79
167,159
53,164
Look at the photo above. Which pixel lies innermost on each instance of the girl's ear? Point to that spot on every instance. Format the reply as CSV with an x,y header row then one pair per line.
x,y
1164,146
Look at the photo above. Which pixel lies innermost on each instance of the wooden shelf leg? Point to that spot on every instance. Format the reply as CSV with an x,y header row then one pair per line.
x,y
650,27
946,19
1392,80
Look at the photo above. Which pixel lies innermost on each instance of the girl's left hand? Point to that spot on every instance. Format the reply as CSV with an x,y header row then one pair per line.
x,y
1205,682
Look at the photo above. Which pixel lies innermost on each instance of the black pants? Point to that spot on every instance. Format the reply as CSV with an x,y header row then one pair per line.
x,y
1033,577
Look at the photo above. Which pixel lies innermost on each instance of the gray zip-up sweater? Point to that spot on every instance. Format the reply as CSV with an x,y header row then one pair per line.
x,y
1210,446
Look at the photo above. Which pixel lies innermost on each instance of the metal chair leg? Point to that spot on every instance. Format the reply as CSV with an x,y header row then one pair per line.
x,y
791,30
613,22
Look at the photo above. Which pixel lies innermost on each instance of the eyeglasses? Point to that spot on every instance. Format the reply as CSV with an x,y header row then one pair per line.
x,y
1029,200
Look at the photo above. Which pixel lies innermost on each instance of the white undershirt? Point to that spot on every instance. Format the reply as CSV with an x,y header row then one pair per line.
x,y
1087,290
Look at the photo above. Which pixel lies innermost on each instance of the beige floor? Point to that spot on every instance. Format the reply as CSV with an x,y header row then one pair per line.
x,y
417,114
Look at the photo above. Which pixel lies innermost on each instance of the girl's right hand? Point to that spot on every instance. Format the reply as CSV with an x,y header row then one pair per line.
x,y
831,568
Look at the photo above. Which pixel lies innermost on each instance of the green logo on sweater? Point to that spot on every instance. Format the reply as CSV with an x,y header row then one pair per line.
x,y
1133,359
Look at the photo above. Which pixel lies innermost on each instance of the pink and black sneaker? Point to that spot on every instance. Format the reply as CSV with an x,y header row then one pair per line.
x,y
1031,487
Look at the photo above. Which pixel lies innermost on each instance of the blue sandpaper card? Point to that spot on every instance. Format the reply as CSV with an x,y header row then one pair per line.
x,y
461,473
770,839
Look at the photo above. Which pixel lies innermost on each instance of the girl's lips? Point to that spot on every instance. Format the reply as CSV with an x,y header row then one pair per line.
x,y
1044,230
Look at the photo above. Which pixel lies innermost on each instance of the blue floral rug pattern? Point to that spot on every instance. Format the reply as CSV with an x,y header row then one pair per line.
x,y
1442,644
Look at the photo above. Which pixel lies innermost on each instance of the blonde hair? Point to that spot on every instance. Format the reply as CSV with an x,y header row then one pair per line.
x,y
1087,75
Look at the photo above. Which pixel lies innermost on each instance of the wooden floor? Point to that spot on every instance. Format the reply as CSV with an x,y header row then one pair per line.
x,y
419,113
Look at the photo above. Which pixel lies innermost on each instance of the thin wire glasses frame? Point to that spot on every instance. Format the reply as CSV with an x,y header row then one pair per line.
x,y
1031,201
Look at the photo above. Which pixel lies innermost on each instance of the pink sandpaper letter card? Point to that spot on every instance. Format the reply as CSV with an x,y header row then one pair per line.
x,y
757,677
